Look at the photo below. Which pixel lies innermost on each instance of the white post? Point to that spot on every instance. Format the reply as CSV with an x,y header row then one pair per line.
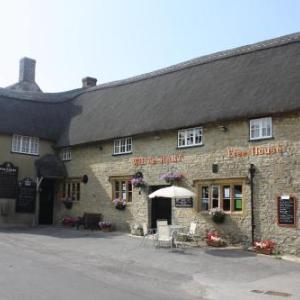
x,y
37,201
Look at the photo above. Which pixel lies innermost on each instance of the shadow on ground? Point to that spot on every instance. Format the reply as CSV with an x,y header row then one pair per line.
x,y
229,253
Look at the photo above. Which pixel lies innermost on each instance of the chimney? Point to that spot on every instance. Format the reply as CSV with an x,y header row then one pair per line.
x,y
27,70
89,82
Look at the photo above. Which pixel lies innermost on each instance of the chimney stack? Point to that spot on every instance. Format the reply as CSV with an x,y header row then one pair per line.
x,y
89,82
27,70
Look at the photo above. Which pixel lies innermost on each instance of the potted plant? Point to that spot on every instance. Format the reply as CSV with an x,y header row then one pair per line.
x,y
68,202
214,239
264,246
119,203
137,181
105,226
217,215
171,177
69,221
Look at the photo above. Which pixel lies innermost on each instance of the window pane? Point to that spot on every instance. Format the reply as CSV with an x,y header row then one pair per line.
x,y
198,136
238,198
204,198
226,198
181,138
25,144
190,137
215,196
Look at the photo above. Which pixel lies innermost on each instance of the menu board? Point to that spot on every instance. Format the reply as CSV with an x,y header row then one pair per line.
x,y
8,180
286,208
184,202
26,196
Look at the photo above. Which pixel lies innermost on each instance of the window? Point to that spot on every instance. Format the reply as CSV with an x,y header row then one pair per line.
x,y
226,196
122,189
190,137
260,128
70,189
122,146
25,144
66,154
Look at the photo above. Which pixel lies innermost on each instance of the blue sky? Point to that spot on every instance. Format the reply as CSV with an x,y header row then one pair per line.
x,y
115,39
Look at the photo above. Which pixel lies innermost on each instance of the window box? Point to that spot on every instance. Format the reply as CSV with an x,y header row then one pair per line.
x,y
25,144
189,137
122,146
260,128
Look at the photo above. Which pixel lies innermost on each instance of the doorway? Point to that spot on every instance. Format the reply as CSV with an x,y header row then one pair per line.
x,y
46,202
161,208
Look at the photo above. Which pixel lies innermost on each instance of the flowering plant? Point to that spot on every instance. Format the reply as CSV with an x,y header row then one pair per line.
x,y
119,203
265,244
104,225
217,214
138,182
213,238
68,201
171,176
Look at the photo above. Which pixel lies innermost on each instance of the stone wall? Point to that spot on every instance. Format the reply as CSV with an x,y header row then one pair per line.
x,y
277,172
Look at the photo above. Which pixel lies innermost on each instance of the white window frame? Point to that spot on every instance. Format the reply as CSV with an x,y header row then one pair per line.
x,y
183,135
122,146
262,124
25,144
66,154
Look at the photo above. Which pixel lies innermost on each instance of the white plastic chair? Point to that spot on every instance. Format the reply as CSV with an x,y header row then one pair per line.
x,y
164,237
190,235
147,232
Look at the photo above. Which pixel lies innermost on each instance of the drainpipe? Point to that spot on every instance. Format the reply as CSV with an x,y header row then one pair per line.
x,y
252,172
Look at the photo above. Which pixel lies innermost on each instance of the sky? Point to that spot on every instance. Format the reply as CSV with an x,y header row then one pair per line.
x,y
116,39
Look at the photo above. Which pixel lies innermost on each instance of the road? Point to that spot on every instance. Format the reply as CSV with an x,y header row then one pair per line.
x,y
54,263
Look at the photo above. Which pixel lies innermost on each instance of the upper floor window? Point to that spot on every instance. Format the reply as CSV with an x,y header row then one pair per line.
x,y
260,128
25,144
190,137
66,154
123,145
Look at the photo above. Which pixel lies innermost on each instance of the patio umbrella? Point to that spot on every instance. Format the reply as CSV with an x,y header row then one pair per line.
x,y
173,192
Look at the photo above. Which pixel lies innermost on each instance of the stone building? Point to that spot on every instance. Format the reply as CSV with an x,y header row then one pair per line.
x,y
225,125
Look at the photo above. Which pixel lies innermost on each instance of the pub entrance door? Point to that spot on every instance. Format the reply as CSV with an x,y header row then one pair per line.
x,y
46,202
161,208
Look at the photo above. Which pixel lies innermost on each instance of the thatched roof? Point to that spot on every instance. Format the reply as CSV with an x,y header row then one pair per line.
x,y
251,81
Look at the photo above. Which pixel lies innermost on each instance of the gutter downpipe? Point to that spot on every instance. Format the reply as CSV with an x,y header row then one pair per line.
x,y
252,172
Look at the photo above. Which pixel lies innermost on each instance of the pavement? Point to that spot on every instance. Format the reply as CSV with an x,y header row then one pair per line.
x,y
46,263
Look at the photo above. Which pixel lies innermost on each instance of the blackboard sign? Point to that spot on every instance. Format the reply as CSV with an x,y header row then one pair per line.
x,y
8,180
184,202
286,210
26,196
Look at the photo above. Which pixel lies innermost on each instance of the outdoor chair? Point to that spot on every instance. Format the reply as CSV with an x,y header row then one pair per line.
x,y
147,232
164,237
190,236
160,222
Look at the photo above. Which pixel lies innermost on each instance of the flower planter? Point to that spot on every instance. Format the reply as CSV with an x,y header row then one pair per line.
x,y
215,243
266,251
68,204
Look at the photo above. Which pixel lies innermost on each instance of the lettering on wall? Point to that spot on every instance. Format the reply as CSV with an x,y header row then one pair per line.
x,y
155,160
256,151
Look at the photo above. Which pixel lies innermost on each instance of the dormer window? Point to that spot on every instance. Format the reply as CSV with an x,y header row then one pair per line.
x,y
25,144
261,128
66,154
123,146
190,137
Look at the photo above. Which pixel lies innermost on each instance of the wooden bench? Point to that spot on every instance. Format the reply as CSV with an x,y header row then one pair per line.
x,y
89,221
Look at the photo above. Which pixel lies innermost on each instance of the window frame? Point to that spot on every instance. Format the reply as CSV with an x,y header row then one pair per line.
x,y
66,188
221,184
129,191
186,137
66,154
23,144
260,123
123,142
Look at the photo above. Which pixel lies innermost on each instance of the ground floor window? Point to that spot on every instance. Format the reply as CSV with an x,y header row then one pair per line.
x,y
70,188
122,189
226,195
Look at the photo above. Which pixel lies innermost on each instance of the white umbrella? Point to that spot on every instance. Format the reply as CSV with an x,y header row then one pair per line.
x,y
172,192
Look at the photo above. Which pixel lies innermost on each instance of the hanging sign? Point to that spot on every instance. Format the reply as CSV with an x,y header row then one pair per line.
x,y
154,160
26,196
8,180
286,211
